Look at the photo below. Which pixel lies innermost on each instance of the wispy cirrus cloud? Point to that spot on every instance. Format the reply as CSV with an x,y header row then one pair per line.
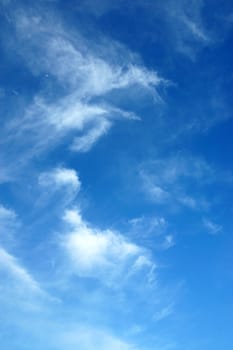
x,y
18,284
173,179
164,312
151,231
85,142
77,103
187,25
149,225
10,264
182,22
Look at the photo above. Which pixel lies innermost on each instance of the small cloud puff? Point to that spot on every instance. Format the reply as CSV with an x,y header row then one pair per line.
x,y
176,180
101,254
168,242
60,177
60,185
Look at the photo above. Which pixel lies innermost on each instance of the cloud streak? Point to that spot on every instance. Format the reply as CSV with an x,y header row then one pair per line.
x,y
19,287
211,227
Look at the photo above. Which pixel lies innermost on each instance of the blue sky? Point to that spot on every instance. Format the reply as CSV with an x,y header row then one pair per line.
x,y
116,174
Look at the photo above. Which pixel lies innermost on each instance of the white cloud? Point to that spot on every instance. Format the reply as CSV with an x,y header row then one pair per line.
x,y
60,177
18,287
211,227
77,103
152,188
71,60
187,201
155,192
101,254
90,74
168,242
9,263
195,29
186,26
164,312
177,180
59,185
71,114
151,231
148,225
7,214
85,142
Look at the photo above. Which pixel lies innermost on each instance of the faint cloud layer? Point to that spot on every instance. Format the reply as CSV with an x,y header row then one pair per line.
x,y
151,231
211,227
182,21
173,180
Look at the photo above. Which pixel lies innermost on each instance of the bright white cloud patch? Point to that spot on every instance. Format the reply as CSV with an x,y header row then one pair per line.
x,y
101,254
60,177
60,184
